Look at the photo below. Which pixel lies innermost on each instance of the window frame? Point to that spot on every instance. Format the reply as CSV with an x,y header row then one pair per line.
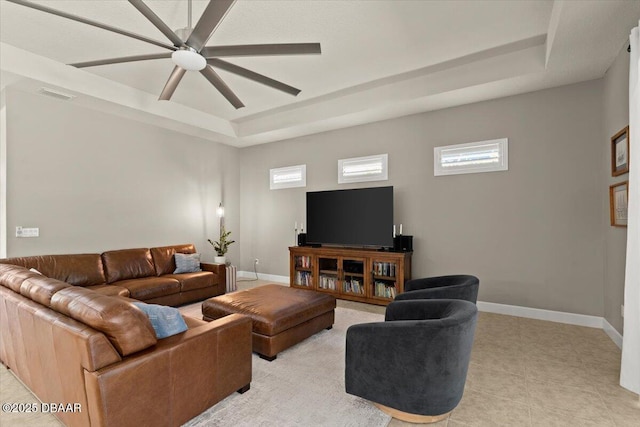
x,y
383,175
502,145
273,173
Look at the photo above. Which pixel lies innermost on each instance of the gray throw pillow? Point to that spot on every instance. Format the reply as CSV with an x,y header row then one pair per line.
x,y
187,263
166,321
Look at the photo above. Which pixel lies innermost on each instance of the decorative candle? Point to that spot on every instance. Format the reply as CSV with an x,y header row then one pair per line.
x,y
401,229
394,230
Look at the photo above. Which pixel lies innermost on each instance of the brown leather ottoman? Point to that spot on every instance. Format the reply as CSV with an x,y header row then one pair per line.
x,y
281,316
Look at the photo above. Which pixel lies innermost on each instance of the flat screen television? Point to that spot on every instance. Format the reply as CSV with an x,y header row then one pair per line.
x,y
358,217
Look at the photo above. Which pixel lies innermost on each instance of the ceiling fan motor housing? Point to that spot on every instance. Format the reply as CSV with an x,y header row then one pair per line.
x,y
184,33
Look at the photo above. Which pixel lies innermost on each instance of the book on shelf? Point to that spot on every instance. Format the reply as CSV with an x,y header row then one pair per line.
x,y
385,269
303,261
384,290
327,282
303,278
353,286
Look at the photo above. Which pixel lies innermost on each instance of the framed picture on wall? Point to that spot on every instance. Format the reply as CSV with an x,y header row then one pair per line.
x,y
618,200
620,152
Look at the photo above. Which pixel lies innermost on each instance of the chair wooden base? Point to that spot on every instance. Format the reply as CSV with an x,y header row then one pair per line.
x,y
412,418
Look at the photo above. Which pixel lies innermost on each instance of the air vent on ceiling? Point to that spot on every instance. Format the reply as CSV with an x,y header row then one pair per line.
x,y
56,94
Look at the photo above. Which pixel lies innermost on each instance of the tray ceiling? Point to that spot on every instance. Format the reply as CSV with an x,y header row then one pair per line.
x,y
380,59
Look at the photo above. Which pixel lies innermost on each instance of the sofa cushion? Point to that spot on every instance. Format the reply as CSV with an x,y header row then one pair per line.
x,y
127,264
12,276
166,321
187,263
111,290
150,287
191,281
41,288
128,329
163,257
75,269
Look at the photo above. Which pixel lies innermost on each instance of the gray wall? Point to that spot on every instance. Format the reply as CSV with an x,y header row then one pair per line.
x,y
532,234
92,181
615,114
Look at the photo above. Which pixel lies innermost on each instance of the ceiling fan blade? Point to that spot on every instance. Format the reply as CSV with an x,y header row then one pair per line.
x,y
121,59
172,83
251,75
262,49
222,87
90,22
157,22
211,17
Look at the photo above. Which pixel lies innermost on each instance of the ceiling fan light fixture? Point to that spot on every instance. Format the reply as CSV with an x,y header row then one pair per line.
x,y
188,59
192,54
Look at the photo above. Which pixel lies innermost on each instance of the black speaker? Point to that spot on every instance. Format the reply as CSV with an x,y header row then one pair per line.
x,y
403,243
302,239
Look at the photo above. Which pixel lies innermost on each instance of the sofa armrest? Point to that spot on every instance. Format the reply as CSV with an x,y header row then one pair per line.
x,y
218,269
179,378
192,322
214,268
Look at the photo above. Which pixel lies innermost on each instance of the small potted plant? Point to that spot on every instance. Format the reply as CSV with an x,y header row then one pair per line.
x,y
221,246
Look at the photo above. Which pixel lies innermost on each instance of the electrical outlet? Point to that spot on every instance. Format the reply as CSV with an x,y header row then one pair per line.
x,y
256,261
622,310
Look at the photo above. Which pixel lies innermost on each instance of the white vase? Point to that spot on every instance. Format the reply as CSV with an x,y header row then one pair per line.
x,y
219,260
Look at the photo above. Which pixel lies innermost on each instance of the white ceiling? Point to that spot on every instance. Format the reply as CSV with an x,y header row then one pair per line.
x,y
380,59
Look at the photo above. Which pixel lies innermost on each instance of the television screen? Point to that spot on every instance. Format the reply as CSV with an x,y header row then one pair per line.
x,y
358,217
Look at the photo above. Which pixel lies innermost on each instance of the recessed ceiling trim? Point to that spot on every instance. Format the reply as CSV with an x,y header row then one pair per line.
x,y
497,52
96,89
55,94
398,92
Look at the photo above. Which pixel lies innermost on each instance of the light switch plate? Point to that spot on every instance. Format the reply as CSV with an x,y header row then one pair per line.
x,y
27,232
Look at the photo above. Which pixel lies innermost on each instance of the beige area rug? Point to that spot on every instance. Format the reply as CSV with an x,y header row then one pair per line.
x,y
303,387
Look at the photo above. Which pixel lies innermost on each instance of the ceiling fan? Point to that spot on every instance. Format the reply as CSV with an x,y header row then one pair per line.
x,y
192,54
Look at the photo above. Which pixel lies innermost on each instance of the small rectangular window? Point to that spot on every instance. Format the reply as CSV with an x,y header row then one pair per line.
x,y
473,157
288,177
360,169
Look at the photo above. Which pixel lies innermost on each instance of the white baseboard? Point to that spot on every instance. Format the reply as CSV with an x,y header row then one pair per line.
x,y
262,276
615,336
554,316
510,310
541,314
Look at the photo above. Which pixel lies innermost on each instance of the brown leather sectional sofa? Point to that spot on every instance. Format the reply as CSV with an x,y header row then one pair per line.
x,y
143,274
77,345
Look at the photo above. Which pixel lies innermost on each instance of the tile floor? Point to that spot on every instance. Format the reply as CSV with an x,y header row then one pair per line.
x,y
526,372
523,372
